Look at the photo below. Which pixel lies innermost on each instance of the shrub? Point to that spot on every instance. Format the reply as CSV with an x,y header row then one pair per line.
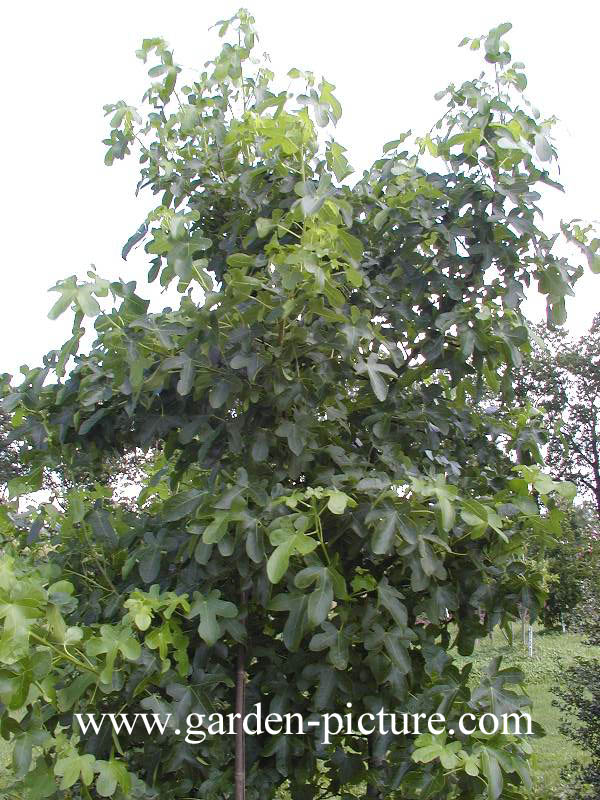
x,y
578,693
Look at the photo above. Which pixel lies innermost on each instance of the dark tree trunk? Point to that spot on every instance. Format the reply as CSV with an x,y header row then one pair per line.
x,y
240,710
375,765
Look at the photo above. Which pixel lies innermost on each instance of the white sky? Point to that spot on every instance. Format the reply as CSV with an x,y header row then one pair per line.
x,y
62,209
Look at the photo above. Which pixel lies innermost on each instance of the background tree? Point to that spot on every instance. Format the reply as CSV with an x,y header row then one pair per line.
x,y
325,476
123,473
578,697
9,453
562,376
573,569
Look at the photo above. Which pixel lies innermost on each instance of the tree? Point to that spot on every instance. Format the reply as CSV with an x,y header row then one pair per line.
x,y
9,453
122,473
578,696
562,377
327,476
572,565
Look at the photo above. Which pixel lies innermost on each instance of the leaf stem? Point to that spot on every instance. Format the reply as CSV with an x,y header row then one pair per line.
x,y
319,528
64,654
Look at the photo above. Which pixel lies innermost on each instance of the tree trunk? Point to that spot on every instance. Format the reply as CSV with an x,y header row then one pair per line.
x,y
240,710
375,764
596,456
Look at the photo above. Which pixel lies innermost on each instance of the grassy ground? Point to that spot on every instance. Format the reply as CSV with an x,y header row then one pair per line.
x,y
5,759
551,651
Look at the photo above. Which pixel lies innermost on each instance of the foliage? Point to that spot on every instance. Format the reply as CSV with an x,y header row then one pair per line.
x,y
9,453
552,752
326,476
562,377
122,473
578,693
12,469
573,568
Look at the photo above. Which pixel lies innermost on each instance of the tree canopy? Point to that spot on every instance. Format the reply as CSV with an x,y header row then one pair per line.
x,y
327,475
561,376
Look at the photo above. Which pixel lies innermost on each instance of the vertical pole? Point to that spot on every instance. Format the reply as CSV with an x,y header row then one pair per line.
x,y
530,641
523,630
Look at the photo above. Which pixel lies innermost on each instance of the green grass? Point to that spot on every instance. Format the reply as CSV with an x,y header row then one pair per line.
x,y
5,759
552,651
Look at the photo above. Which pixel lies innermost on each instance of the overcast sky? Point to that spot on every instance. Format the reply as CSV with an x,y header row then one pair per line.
x,y
62,209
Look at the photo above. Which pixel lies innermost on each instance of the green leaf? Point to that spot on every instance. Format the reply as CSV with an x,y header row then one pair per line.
x,y
447,512
492,772
542,147
389,598
396,649
102,527
310,204
295,435
594,263
24,484
62,304
133,240
39,783
217,529
89,423
384,534
110,775
264,226
338,501
320,600
186,380
219,394
112,641
241,260
22,755
352,245
381,218
279,560
69,696
376,370
260,447
182,505
149,566
210,608
86,301
75,767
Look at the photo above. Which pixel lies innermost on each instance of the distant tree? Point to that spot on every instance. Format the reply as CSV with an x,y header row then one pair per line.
x,y
10,465
573,566
122,472
577,692
562,377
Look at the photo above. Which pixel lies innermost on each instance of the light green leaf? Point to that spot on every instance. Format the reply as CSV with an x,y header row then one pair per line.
x,y
279,560
542,147
338,501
